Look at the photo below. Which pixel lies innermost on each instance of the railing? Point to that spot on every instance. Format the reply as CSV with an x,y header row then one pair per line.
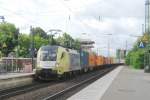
x,y
22,65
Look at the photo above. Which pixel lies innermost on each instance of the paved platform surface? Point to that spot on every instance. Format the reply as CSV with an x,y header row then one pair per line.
x,y
129,85
14,75
122,83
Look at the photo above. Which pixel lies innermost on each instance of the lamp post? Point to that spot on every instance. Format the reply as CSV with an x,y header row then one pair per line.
x,y
32,46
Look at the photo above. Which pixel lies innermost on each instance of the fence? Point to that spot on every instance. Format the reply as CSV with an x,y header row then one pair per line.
x,y
13,65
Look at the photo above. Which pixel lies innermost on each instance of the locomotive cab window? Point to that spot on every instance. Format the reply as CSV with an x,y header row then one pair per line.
x,y
48,54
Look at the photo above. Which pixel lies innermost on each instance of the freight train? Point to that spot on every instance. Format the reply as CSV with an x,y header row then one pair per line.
x,y
57,62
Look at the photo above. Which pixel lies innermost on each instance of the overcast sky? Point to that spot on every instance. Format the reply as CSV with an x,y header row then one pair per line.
x,y
121,18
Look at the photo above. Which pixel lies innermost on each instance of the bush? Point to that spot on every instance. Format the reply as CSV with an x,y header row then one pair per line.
x,y
136,59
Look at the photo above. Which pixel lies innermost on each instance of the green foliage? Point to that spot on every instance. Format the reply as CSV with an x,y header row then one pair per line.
x,y
40,32
8,38
67,41
11,41
23,45
52,41
135,57
77,44
39,41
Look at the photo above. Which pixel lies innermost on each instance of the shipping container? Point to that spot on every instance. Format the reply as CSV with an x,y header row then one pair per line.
x,y
103,60
97,61
84,59
100,60
107,60
92,60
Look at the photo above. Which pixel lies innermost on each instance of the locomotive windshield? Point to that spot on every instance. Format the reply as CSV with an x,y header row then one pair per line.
x,y
48,54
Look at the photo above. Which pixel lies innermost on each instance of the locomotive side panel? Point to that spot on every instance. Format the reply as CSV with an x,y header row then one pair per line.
x,y
62,63
74,61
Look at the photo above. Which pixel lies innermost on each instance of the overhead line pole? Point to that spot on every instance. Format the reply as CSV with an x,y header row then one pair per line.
x,y
126,47
108,48
143,29
32,46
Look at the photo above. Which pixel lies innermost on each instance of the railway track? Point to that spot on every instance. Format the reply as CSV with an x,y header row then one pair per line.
x,y
23,89
52,90
60,95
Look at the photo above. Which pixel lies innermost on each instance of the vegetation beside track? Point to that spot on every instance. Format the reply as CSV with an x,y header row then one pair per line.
x,y
12,41
135,57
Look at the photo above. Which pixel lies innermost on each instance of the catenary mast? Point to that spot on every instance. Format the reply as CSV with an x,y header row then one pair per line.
x,y
147,16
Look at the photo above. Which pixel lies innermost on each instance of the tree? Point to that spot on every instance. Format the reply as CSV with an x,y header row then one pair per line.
x,y
20,44
23,46
77,44
66,40
135,57
8,38
51,40
40,32
39,41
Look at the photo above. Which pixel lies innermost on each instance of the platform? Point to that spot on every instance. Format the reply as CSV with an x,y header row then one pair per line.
x,y
14,75
122,83
11,80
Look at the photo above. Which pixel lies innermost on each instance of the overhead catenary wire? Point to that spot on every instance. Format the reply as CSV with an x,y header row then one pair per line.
x,y
20,16
83,23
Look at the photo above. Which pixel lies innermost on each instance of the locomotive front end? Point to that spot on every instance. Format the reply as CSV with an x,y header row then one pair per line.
x,y
46,63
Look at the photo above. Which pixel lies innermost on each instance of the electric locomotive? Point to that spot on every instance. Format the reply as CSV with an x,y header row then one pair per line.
x,y
56,61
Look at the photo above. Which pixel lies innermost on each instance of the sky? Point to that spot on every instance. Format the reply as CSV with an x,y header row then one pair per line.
x,y
106,22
